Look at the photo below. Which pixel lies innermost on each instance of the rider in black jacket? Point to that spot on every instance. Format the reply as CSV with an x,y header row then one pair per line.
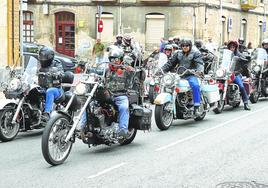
x,y
190,59
233,46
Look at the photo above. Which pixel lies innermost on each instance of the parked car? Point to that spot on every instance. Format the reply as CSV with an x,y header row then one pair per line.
x,y
68,63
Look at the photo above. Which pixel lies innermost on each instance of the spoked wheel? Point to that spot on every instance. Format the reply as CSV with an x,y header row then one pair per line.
x,y
203,115
163,116
54,148
130,136
8,130
220,105
254,96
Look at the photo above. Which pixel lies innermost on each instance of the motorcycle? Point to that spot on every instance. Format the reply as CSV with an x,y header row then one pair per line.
x,y
176,100
224,76
259,72
101,125
154,84
22,108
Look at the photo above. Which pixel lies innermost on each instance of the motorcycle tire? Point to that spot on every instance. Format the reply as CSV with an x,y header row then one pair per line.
x,y
220,106
60,134
159,116
152,94
8,130
130,137
254,97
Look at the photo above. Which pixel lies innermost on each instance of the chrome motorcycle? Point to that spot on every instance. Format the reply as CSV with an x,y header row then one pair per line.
x,y
101,126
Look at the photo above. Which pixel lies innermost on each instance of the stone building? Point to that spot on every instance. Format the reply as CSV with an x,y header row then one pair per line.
x,y
9,32
70,26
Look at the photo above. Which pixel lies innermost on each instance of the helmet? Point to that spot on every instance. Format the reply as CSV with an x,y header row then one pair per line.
x,y
168,47
232,42
46,56
115,52
119,36
198,43
186,42
175,46
170,39
127,40
241,40
265,41
68,77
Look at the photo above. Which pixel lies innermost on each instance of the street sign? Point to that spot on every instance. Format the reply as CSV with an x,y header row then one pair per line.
x,y
263,27
230,24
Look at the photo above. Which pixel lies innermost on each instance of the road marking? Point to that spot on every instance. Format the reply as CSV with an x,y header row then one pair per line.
x,y
207,130
107,170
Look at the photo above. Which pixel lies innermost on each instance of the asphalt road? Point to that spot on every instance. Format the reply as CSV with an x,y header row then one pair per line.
x,y
229,147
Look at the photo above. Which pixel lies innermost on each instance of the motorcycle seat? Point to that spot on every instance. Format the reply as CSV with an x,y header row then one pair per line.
x,y
60,99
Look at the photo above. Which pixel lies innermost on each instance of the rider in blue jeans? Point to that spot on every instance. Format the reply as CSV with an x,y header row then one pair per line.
x,y
49,77
233,46
118,81
189,58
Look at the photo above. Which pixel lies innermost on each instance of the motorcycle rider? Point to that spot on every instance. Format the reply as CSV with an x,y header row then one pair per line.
x,y
233,46
241,46
168,50
119,41
50,77
190,59
118,80
265,44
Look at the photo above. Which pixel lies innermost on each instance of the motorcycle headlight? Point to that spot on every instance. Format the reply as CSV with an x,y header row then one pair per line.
x,y
257,68
220,73
80,89
15,84
168,79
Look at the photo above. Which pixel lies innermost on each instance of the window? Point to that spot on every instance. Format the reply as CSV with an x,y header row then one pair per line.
x,y
260,32
243,31
28,27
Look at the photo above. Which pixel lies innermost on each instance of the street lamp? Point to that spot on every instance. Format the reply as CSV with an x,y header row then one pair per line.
x,y
21,36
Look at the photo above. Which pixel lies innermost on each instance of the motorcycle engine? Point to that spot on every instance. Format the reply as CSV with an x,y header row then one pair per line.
x,y
233,91
185,99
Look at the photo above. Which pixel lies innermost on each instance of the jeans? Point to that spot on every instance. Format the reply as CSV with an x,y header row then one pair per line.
x,y
193,82
98,59
123,107
52,94
244,94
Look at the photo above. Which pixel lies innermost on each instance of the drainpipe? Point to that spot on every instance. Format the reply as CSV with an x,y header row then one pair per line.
x,y
21,36
221,42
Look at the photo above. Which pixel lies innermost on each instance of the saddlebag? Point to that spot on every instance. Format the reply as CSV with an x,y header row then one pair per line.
x,y
133,96
140,117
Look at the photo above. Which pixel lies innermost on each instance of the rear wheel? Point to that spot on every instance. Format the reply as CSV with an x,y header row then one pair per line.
x,y
254,96
130,136
163,116
54,148
8,130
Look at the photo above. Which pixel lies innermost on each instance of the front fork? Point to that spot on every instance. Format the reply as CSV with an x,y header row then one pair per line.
x,y
18,110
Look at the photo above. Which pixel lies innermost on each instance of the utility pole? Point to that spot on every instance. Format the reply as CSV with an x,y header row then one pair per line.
x,y
220,20
120,18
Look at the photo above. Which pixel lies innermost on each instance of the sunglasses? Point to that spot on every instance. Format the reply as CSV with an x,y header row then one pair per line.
x,y
185,46
113,59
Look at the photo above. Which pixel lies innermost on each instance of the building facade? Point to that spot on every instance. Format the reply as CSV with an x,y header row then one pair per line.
x,y
70,26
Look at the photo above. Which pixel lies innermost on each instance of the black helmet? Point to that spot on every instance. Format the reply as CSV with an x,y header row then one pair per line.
x,y
265,41
46,56
198,43
127,40
68,77
186,42
175,46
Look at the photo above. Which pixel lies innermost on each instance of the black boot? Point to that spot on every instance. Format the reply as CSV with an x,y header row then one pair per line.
x,y
196,111
45,117
246,106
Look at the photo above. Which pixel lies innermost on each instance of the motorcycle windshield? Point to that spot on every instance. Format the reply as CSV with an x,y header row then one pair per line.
x,y
30,72
259,56
162,59
226,59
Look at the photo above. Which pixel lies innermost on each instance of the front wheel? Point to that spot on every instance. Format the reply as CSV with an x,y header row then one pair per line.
x,y
54,148
130,136
163,116
220,105
8,130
